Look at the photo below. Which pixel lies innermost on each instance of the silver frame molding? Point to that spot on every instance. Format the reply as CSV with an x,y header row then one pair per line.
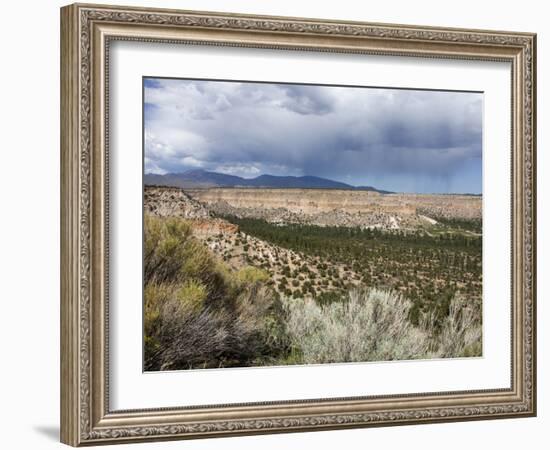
x,y
86,31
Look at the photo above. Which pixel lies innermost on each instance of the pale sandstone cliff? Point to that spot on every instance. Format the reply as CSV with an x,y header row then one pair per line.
x,y
306,201
338,207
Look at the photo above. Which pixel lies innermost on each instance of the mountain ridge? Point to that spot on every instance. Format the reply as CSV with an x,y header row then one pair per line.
x,y
199,178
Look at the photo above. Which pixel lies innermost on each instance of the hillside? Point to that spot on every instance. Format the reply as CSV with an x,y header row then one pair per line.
x,y
164,201
171,201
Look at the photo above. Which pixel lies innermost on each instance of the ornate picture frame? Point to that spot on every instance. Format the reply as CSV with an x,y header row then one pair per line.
x,y
87,31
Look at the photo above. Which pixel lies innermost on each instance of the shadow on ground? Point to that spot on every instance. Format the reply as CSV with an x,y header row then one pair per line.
x,y
49,431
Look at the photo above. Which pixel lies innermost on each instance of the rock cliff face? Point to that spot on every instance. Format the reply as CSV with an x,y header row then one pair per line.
x,y
323,207
304,201
334,207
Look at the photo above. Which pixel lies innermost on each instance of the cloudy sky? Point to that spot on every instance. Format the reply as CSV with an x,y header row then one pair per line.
x,y
400,140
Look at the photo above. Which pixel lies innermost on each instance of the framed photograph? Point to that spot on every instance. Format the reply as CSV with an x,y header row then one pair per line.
x,y
276,224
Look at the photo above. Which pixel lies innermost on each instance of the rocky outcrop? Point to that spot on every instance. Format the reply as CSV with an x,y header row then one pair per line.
x,y
213,227
171,201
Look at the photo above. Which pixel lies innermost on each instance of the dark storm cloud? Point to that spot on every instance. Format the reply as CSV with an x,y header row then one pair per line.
x,y
307,99
348,134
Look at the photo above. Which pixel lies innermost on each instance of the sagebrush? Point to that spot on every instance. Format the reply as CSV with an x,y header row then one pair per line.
x,y
375,325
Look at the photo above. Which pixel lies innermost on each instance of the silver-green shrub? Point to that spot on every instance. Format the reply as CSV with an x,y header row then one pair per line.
x,y
461,330
374,325
371,325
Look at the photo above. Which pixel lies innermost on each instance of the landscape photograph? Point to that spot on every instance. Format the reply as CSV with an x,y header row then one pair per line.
x,y
292,224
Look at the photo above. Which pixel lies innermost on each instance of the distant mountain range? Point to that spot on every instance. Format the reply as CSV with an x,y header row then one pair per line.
x,y
205,179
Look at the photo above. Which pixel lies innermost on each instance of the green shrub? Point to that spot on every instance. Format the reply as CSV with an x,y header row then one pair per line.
x,y
251,274
193,293
328,297
199,314
165,248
